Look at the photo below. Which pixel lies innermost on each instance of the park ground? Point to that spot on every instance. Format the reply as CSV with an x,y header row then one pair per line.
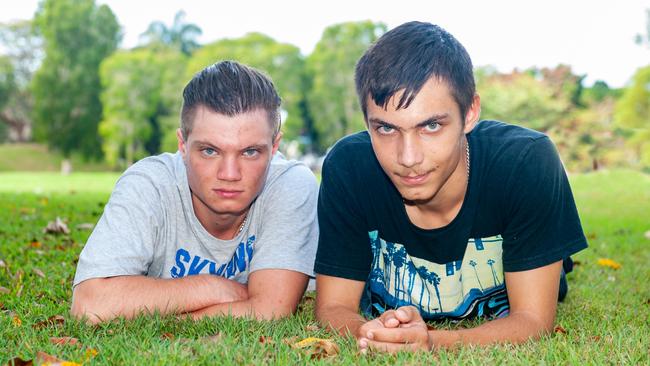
x,y
604,320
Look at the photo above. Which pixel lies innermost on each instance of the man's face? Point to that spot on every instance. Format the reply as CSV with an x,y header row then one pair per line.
x,y
421,146
227,159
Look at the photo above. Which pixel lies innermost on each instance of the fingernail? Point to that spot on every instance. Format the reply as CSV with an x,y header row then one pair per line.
x,y
363,343
370,335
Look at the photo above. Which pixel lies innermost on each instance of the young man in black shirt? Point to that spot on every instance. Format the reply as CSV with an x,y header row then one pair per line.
x,y
432,215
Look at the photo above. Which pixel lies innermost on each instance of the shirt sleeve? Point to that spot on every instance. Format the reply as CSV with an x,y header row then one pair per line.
x,y
343,245
288,234
542,224
123,241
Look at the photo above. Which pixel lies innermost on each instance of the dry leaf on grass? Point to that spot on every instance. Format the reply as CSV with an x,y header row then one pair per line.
x,y
167,336
17,322
62,341
4,290
85,226
317,347
266,340
17,361
606,262
57,226
312,328
35,244
43,359
55,320
39,273
559,329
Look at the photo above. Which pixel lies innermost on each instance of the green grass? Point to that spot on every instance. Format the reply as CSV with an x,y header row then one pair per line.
x,y
606,314
36,157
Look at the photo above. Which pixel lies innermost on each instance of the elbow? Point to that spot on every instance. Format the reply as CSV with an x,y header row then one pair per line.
x,y
85,304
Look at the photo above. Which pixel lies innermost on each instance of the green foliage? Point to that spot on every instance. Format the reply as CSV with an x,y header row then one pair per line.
x,y
19,157
633,114
332,98
7,80
23,48
135,96
519,98
180,35
605,315
282,62
77,35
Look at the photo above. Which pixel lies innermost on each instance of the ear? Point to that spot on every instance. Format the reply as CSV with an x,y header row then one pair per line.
x,y
473,114
276,143
181,142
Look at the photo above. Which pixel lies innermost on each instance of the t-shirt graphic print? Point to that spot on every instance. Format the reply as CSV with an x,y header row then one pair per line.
x,y
473,286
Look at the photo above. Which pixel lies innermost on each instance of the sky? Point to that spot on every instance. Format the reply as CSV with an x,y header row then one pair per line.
x,y
595,37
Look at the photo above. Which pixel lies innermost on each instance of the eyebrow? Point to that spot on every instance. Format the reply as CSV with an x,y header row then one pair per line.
x,y
211,145
434,118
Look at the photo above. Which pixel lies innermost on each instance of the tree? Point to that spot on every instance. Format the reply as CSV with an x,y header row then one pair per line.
x,y
180,35
7,86
281,61
77,36
135,102
23,48
632,112
332,98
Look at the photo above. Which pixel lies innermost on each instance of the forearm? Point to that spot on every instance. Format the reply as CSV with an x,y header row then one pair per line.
x,y
107,298
515,328
251,308
341,319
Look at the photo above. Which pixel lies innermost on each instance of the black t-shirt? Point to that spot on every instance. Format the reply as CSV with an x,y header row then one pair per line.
x,y
518,214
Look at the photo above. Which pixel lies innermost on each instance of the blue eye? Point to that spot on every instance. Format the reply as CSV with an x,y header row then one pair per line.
x,y
250,153
208,151
432,126
384,129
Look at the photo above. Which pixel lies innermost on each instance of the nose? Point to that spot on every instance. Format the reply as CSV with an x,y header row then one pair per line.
x,y
409,152
229,169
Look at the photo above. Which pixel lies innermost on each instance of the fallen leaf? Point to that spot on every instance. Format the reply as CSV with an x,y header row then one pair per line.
x,y
312,328
55,320
85,226
17,361
43,358
559,329
591,236
16,321
90,353
595,338
39,273
62,341
35,244
57,226
4,290
606,262
317,347
266,340
168,336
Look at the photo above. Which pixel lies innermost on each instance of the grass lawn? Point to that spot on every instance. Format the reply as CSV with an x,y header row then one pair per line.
x,y
605,319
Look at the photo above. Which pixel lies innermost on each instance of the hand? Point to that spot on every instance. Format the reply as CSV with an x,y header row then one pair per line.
x,y
403,329
225,290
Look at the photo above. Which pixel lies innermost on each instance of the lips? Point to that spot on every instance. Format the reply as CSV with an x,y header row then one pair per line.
x,y
227,193
413,180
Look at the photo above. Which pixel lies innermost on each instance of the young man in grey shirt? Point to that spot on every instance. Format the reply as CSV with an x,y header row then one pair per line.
x,y
224,226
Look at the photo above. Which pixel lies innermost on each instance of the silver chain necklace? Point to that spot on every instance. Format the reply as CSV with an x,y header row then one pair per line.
x,y
241,227
467,158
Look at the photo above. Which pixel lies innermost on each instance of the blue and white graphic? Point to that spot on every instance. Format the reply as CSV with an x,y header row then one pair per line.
x,y
473,286
188,264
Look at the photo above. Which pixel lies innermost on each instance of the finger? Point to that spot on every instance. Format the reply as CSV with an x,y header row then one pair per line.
x,y
389,319
388,347
398,335
407,314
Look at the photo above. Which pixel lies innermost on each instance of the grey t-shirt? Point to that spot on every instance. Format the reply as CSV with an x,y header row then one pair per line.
x,y
149,227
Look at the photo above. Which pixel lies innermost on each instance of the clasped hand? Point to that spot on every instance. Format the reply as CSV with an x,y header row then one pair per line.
x,y
395,330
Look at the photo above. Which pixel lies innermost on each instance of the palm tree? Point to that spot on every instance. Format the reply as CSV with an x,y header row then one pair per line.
x,y
473,264
412,270
434,279
424,273
180,35
490,262
398,261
